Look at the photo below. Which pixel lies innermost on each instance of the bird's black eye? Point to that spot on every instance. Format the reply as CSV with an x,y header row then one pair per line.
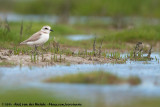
x,y
46,28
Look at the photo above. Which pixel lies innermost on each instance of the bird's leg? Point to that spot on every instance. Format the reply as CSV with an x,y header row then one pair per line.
x,y
35,48
35,51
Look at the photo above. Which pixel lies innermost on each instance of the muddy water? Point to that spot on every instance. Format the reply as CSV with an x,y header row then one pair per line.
x,y
149,72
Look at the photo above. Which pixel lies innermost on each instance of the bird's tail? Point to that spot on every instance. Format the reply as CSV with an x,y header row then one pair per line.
x,y
23,43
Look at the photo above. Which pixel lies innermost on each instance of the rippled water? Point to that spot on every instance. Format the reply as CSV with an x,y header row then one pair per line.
x,y
32,77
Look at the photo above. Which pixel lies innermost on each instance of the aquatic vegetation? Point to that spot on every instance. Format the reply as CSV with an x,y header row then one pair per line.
x,y
34,57
16,51
122,61
31,58
95,77
8,64
134,80
141,102
27,96
138,55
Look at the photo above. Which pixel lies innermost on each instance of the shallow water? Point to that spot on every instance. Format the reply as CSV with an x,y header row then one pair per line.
x,y
78,19
80,37
33,77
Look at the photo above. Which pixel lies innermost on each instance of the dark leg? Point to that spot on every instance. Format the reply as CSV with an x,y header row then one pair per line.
x,y
35,49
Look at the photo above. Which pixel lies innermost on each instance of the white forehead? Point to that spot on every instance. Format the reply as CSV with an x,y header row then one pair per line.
x,y
46,27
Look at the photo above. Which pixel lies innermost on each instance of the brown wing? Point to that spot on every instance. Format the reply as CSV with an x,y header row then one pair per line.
x,y
34,37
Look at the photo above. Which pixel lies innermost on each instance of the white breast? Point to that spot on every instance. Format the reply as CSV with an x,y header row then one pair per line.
x,y
43,39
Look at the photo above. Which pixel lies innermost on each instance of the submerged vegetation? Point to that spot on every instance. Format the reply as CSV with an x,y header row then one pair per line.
x,y
32,97
37,97
8,64
95,77
24,96
142,102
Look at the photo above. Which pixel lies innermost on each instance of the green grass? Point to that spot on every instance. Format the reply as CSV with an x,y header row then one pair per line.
x,y
8,64
141,102
149,8
144,33
33,96
25,96
95,77
36,96
155,102
112,38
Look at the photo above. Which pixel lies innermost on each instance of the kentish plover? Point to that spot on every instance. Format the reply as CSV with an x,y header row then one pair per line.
x,y
39,38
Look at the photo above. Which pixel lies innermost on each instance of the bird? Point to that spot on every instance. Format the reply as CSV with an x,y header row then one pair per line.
x,y
38,38
138,48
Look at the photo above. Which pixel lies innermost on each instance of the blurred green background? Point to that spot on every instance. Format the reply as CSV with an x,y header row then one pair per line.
x,y
146,8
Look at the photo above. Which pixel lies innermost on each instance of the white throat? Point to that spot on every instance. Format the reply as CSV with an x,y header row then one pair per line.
x,y
45,32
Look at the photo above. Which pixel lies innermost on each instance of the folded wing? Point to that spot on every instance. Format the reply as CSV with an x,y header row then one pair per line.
x,y
34,37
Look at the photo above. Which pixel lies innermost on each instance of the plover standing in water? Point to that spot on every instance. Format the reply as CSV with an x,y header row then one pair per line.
x,y
39,38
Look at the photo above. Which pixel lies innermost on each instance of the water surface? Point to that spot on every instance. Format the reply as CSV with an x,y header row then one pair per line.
x,y
79,19
149,73
80,37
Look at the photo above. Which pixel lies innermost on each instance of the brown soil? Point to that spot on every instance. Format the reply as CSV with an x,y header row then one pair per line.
x,y
25,60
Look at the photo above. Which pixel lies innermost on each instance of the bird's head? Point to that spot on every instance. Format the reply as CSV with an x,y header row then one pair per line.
x,y
46,29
